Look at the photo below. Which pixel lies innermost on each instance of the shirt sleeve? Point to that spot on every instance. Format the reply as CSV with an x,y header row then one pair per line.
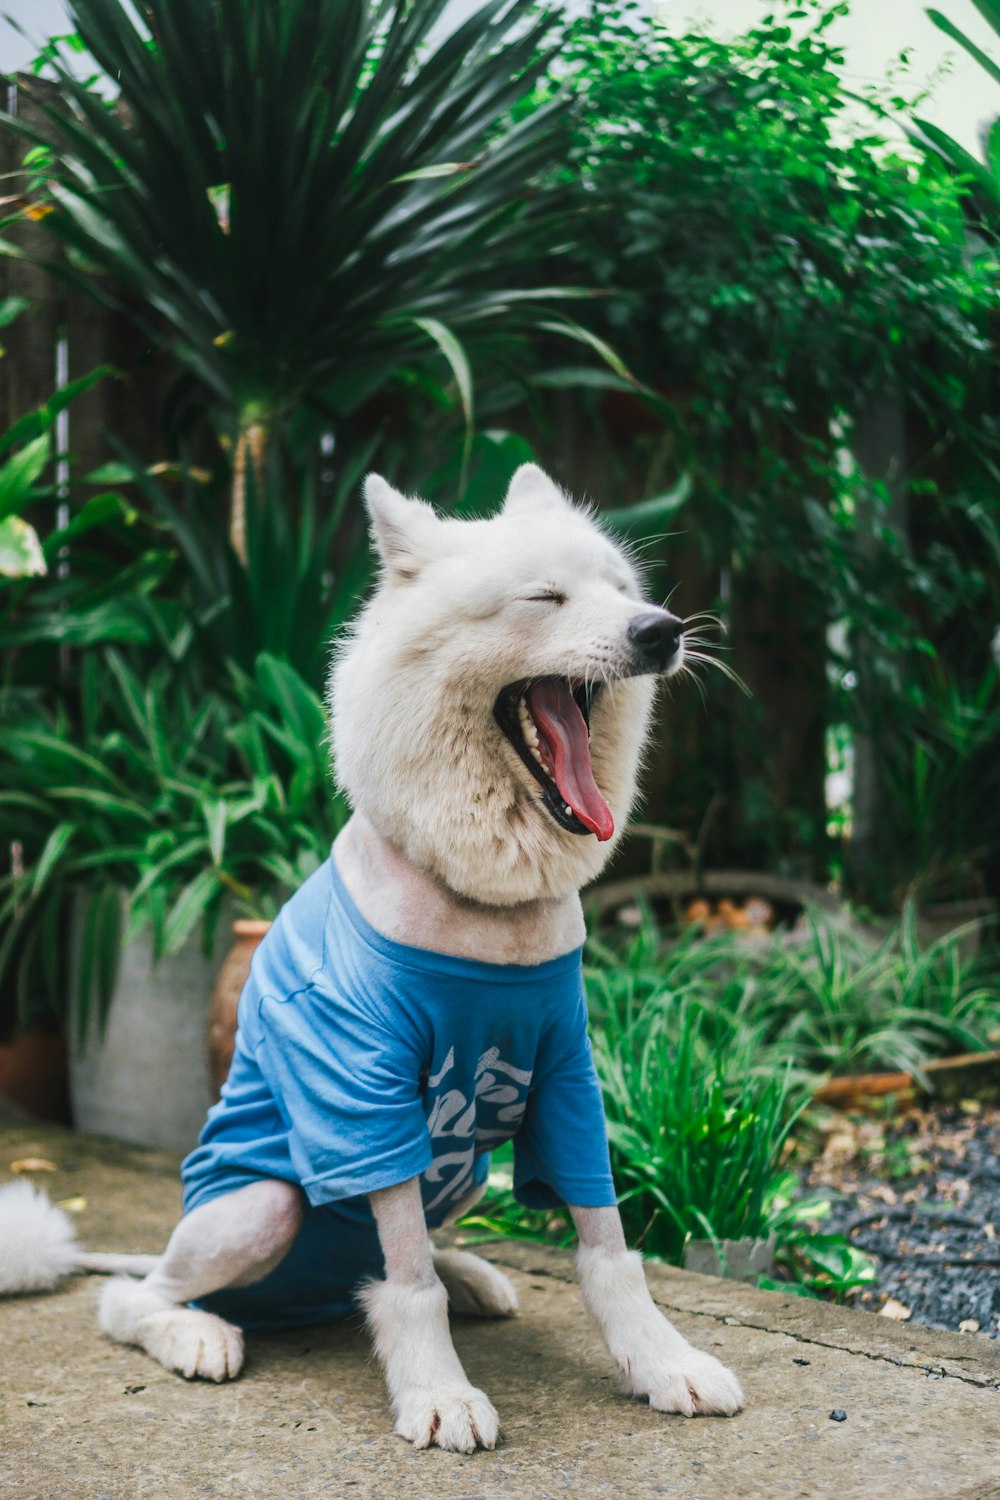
x,y
348,1091
561,1150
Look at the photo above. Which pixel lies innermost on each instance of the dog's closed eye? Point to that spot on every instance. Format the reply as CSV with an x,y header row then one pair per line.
x,y
547,596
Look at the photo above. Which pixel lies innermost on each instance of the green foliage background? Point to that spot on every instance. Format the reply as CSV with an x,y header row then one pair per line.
x,y
768,273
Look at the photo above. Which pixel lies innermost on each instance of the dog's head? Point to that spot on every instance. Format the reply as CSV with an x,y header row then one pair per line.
x,y
490,703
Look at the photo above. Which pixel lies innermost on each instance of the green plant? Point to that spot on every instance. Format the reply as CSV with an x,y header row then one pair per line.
x,y
765,270
170,802
788,283
942,776
980,181
26,451
501,1213
696,1140
296,203
818,1264
308,560
828,999
848,1005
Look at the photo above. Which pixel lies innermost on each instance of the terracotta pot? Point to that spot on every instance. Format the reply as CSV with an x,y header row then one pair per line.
x,y
221,1037
34,1074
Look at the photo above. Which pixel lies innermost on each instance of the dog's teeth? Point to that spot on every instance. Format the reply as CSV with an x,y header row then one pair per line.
x,y
568,810
528,729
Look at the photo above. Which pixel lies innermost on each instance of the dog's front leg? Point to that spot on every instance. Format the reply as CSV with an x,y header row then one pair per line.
x,y
431,1395
652,1358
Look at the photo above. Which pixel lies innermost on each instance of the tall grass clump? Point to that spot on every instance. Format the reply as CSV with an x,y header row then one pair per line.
x,y
697,1137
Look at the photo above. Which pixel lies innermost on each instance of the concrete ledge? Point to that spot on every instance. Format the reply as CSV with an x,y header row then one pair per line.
x,y
737,1305
84,1419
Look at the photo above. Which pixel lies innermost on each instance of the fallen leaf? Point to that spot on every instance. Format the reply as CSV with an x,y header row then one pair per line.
x,y
897,1311
33,1164
73,1205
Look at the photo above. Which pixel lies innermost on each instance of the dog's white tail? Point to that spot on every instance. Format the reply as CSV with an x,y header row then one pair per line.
x,y
38,1244
116,1265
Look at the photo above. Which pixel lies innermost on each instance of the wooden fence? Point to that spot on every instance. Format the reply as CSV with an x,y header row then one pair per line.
x,y
66,334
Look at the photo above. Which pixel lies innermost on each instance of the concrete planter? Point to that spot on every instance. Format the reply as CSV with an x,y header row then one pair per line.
x,y
741,1260
144,1078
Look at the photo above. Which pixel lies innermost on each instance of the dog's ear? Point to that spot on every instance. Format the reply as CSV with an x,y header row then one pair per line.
x,y
403,531
531,489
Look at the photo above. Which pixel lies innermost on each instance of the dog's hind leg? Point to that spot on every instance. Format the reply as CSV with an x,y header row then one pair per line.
x,y
475,1288
232,1241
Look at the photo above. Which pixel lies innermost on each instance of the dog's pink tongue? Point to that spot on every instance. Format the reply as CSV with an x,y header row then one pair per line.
x,y
563,732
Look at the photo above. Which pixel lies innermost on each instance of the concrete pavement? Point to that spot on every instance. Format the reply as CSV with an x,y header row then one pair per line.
x,y
84,1419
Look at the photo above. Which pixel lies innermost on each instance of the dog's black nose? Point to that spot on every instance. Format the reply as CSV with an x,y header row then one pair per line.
x,y
655,637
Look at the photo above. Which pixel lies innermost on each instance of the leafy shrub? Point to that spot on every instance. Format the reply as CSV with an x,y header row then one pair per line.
x,y
827,999
795,284
171,802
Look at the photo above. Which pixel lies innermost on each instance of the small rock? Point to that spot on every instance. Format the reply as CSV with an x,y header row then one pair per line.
x,y
838,1414
897,1311
969,1325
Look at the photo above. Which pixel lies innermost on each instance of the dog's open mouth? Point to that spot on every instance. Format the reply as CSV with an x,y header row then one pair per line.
x,y
547,721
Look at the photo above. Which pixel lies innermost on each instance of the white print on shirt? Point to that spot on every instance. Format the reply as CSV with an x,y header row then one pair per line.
x,y
498,1084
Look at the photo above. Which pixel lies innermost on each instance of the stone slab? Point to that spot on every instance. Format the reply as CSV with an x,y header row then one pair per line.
x,y
84,1419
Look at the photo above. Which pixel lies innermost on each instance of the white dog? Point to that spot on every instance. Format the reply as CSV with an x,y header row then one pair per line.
x,y
420,999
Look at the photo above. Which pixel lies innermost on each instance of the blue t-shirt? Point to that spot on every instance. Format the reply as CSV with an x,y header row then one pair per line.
x,y
361,1062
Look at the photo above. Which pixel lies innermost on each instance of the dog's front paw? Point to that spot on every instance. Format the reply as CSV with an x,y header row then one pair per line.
x,y
460,1420
687,1381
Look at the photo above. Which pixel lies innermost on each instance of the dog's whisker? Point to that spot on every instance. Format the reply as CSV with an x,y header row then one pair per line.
x,y
704,616
721,666
691,641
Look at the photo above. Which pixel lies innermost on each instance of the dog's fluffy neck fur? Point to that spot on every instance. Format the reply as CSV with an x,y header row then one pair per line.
x,y
407,904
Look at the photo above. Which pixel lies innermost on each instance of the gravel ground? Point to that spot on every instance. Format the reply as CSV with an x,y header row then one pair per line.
x,y
921,1195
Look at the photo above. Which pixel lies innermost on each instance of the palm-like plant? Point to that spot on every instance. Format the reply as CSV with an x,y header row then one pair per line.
x,y
293,199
